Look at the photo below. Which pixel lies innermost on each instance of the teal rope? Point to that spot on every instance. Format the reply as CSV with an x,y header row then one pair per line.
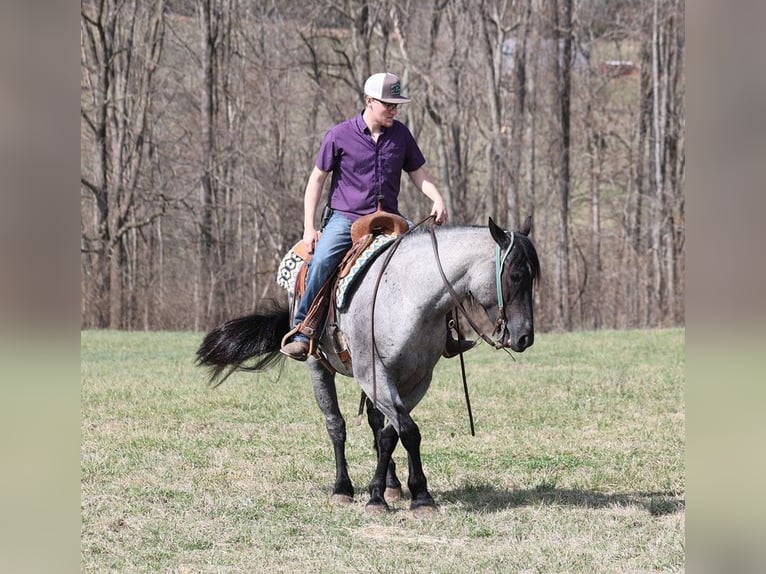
x,y
499,262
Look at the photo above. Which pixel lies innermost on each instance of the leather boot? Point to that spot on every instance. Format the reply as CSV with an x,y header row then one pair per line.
x,y
297,349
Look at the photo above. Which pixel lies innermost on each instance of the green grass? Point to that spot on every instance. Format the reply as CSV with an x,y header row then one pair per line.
x,y
577,464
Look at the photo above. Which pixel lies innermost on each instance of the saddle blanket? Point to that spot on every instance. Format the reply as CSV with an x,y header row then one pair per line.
x,y
287,271
346,284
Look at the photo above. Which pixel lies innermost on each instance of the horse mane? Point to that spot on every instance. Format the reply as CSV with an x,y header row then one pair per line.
x,y
525,254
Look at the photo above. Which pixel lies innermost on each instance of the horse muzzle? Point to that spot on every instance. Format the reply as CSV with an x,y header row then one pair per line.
x,y
520,338
517,338
519,344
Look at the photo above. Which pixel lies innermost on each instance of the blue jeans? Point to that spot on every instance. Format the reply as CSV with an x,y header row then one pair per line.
x,y
332,245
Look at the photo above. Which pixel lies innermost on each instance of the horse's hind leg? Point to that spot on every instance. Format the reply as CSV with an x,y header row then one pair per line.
x,y
327,398
376,421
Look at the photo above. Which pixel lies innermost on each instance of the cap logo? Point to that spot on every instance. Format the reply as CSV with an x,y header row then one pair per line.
x,y
396,89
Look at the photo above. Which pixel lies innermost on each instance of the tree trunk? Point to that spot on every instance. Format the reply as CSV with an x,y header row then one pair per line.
x,y
658,274
121,45
518,118
594,261
116,257
493,34
562,57
215,215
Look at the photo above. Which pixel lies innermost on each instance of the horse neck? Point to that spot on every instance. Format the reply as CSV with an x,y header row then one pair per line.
x,y
466,255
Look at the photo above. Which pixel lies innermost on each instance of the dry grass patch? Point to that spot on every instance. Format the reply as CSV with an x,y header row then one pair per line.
x,y
577,466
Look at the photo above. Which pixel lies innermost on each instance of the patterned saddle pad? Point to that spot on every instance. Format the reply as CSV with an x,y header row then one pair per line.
x,y
287,271
346,284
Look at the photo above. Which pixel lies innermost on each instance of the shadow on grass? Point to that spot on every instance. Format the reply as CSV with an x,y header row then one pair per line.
x,y
487,498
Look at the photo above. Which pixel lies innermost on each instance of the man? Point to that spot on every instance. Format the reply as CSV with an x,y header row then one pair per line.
x,y
366,155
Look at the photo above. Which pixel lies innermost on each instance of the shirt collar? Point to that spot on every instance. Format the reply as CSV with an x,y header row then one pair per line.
x,y
362,125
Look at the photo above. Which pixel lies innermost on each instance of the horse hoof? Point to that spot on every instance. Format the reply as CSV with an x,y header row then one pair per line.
x,y
341,499
392,494
425,511
375,508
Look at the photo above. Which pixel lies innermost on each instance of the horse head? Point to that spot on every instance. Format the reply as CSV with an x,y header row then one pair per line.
x,y
517,270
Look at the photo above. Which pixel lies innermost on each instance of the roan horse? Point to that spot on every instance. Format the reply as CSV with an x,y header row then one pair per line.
x,y
399,310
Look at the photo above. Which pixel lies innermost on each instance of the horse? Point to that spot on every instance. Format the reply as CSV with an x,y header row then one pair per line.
x,y
394,330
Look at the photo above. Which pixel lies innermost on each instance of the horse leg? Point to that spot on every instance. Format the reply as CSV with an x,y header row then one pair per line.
x,y
422,503
326,396
387,439
376,421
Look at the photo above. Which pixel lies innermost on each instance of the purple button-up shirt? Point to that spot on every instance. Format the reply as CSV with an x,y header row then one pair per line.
x,y
363,170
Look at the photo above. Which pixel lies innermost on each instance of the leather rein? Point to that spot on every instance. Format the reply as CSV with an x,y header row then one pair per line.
x,y
500,324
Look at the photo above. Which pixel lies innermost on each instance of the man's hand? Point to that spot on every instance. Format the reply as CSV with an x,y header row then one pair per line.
x,y
439,212
310,239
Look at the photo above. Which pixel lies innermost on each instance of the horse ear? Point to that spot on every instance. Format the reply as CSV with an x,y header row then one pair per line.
x,y
498,234
527,227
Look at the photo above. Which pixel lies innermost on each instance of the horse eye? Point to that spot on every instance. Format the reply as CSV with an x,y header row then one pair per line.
x,y
517,277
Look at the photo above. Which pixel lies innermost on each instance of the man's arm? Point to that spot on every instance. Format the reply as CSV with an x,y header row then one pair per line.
x,y
423,182
310,203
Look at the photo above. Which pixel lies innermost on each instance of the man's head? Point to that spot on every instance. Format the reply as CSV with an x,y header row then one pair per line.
x,y
382,94
385,88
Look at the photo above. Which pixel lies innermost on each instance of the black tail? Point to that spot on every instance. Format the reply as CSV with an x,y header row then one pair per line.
x,y
239,340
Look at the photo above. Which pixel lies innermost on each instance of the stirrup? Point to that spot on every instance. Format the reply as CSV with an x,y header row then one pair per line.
x,y
454,347
288,335
293,331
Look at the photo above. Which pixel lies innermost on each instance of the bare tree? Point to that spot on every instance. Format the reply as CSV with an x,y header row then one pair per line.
x,y
201,120
494,31
519,119
121,44
660,169
215,207
447,101
556,31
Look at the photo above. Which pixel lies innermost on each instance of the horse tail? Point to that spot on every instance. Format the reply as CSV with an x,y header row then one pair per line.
x,y
229,346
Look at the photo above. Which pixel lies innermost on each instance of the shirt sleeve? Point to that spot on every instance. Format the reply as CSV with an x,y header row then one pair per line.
x,y
413,158
328,155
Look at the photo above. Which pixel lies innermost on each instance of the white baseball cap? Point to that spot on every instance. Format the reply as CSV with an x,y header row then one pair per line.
x,y
386,88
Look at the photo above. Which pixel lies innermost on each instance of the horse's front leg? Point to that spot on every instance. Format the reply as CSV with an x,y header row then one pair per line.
x,y
376,420
422,503
387,439
326,396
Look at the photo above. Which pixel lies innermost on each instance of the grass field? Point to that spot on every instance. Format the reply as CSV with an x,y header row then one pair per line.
x,y
577,464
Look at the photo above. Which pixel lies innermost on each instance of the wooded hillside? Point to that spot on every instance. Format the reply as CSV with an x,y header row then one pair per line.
x,y
201,120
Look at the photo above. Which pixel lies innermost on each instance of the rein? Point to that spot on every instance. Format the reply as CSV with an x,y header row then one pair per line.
x,y
500,325
389,254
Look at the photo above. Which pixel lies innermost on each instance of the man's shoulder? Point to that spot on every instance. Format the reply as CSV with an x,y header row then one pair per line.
x,y
400,128
350,125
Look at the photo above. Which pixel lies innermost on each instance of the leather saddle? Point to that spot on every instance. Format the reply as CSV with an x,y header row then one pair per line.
x,y
378,222
363,231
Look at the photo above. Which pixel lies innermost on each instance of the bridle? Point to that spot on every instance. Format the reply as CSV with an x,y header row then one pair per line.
x,y
501,324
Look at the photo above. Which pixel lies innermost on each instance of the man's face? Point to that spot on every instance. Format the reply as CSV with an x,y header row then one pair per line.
x,y
383,113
